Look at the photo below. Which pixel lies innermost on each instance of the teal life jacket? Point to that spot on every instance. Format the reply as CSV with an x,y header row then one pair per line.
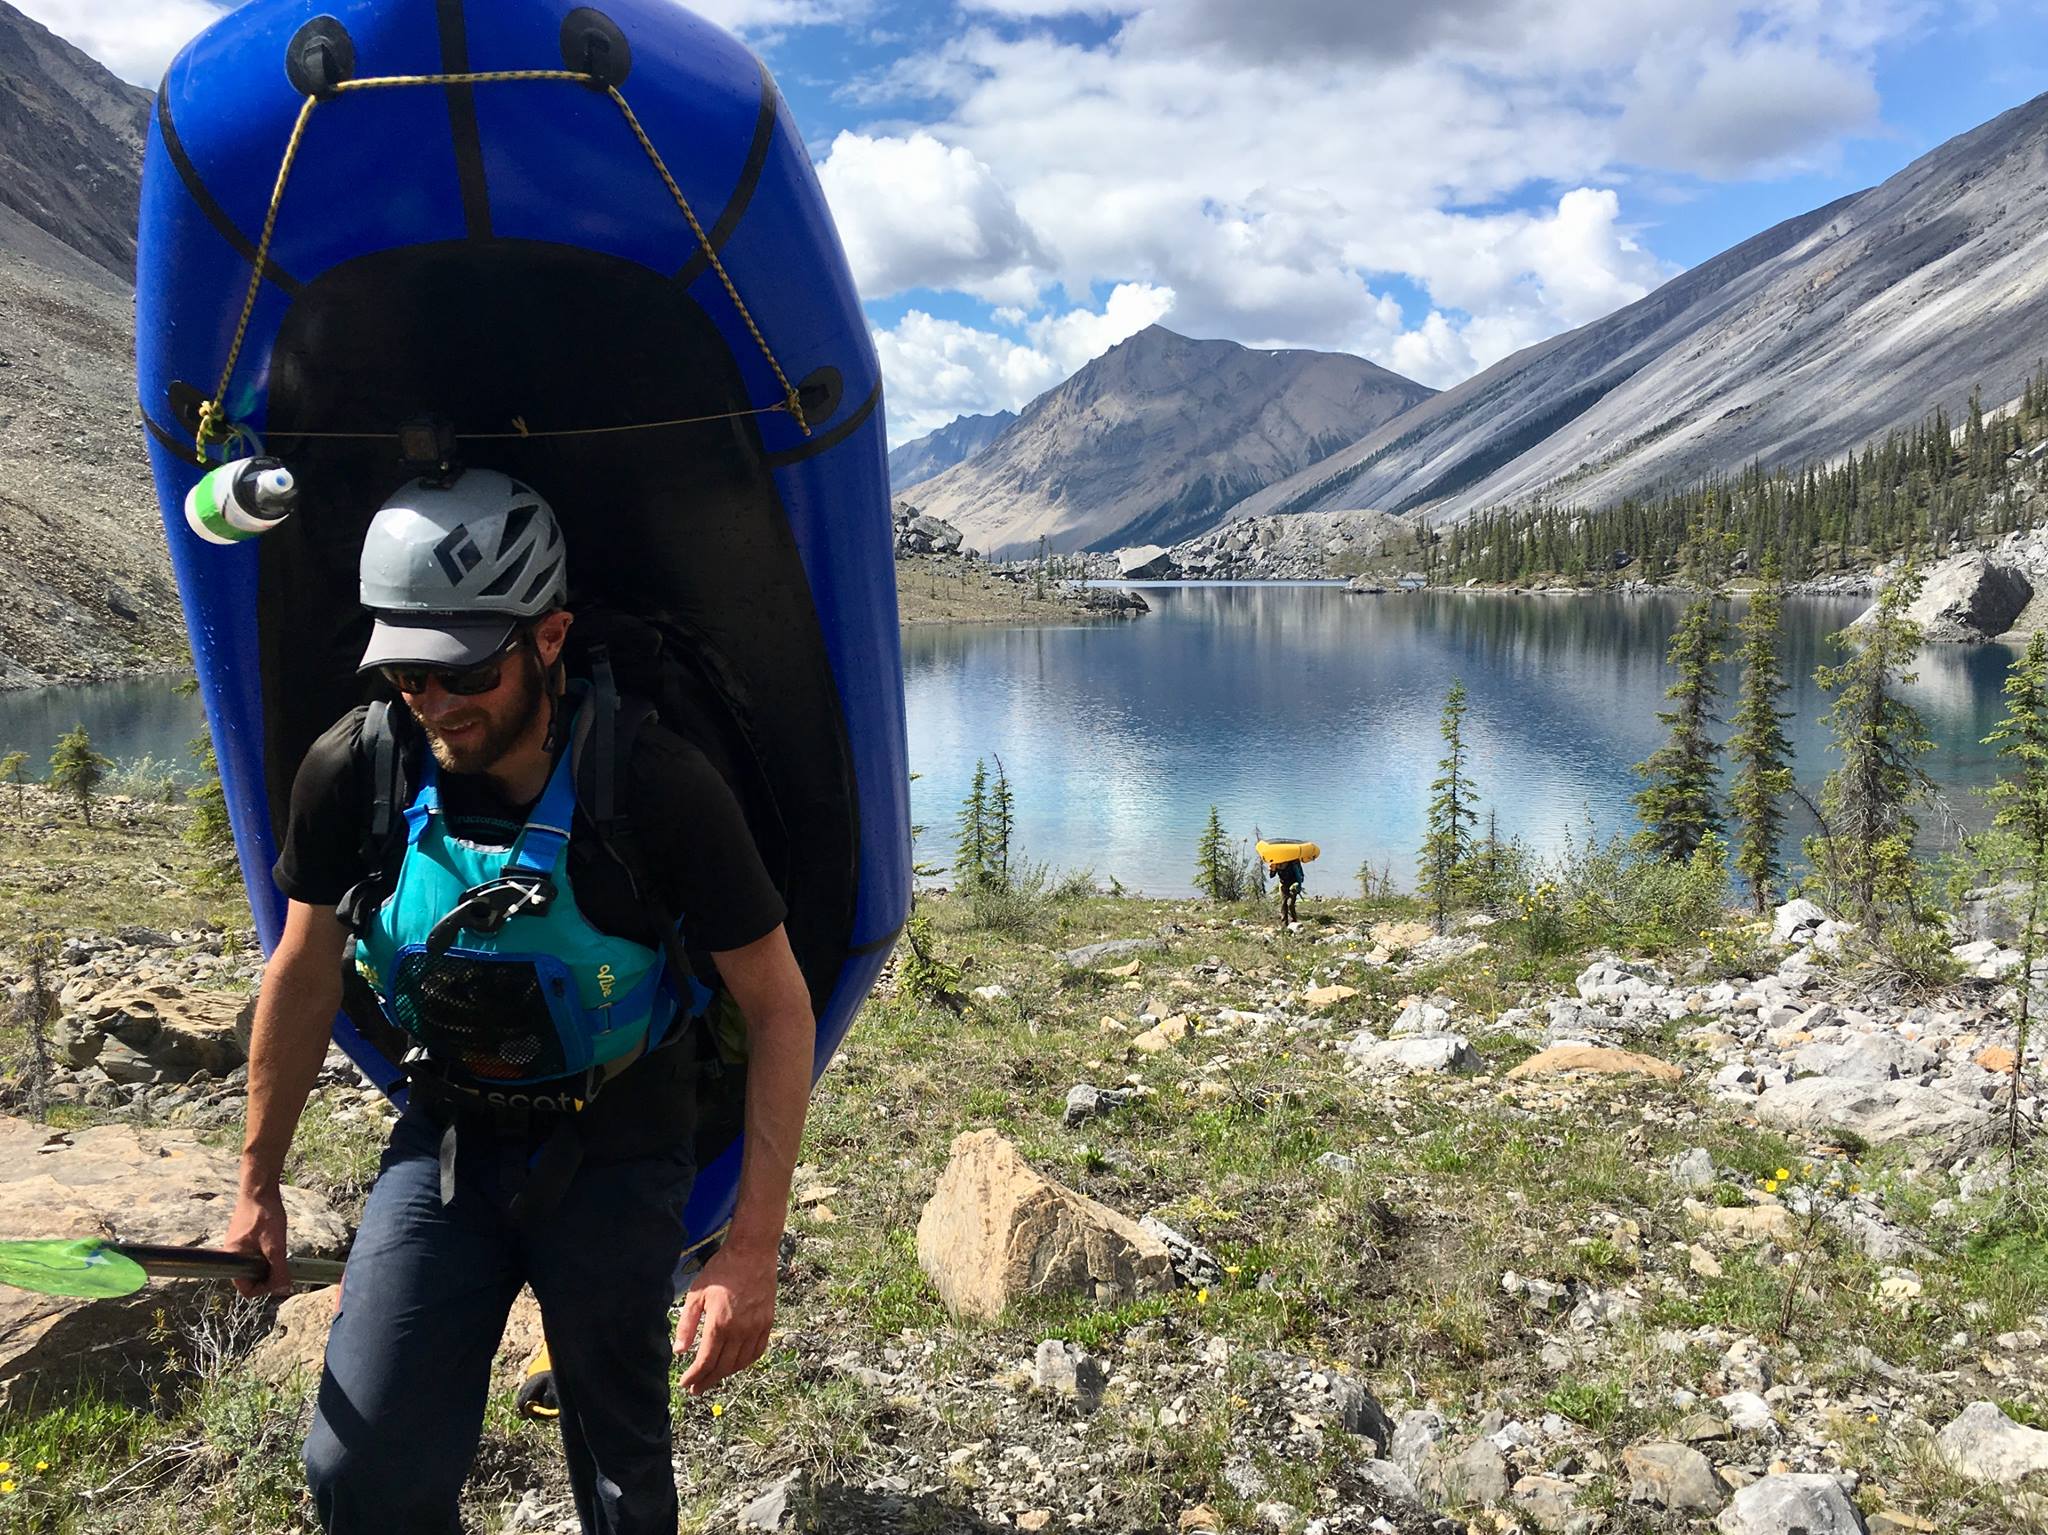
x,y
481,956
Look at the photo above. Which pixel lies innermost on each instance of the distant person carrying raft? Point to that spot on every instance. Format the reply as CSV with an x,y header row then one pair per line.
x,y
1284,858
500,926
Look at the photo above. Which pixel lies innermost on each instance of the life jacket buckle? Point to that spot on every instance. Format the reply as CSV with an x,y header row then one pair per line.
x,y
486,908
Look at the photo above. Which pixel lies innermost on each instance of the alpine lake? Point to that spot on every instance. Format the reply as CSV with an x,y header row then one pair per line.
x,y
1298,710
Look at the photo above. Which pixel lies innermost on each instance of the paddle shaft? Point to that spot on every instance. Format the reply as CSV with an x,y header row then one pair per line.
x,y
211,1263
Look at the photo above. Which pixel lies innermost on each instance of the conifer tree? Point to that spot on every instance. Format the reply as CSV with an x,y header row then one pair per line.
x,y
1865,851
1217,875
1759,748
1676,803
76,769
1447,845
2021,798
14,770
1002,821
210,830
970,850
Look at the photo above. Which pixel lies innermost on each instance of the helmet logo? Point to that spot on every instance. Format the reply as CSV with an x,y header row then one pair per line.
x,y
458,554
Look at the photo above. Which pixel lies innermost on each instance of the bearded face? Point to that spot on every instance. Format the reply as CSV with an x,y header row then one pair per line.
x,y
472,733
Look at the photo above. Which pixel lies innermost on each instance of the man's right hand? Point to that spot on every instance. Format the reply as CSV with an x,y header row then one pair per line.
x,y
258,1227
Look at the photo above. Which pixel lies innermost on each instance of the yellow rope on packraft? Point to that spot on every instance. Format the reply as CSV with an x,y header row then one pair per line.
x,y
213,426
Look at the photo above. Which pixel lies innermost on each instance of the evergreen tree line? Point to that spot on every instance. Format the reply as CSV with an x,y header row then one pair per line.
x,y
1923,491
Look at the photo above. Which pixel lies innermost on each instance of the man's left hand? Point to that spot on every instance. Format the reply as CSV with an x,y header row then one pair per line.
x,y
727,1316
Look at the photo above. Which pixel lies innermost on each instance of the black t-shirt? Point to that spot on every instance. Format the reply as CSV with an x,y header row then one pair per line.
x,y
692,837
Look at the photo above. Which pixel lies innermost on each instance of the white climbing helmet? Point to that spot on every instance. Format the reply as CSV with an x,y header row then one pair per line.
x,y
451,568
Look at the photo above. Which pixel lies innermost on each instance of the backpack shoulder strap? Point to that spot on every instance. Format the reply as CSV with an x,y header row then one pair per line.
x,y
384,825
606,730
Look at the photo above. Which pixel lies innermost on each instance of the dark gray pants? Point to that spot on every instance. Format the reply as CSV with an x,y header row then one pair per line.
x,y
429,1287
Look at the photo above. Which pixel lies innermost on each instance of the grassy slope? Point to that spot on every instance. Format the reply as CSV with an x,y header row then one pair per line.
x,y
1391,1271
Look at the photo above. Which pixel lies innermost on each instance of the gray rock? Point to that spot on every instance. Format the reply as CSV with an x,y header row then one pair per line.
x,y
1389,1481
1095,953
1969,598
1330,1397
1995,912
1881,1113
1085,1102
1793,917
1068,1371
1673,1476
768,1511
1420,1018
1693,1169
1194,1263
1983,1443
1434,1054
1477,1475
1415,1440
1549,1501
1879,1056
1794,1503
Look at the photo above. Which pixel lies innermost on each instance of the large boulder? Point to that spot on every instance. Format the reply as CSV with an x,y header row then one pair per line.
x,y
1970,597
1792,1503
1879,1113
1147,562
996,1229
132,1185
1987,1446
156,1031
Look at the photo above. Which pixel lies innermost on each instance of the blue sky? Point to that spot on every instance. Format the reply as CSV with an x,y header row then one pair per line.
x,y
1022,183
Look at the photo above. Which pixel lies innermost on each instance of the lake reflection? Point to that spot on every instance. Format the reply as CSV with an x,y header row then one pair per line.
x,y
1305,712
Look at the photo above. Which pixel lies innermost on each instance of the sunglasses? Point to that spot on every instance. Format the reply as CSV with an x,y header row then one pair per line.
x,y
465,683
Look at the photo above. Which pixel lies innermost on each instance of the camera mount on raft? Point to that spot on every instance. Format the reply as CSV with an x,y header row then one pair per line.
x,y
426,445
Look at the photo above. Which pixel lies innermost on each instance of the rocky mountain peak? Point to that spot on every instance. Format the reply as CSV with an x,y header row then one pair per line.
x,y
71,139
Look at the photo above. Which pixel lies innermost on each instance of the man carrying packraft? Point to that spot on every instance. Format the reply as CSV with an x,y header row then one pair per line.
x,y
536,964
1289,873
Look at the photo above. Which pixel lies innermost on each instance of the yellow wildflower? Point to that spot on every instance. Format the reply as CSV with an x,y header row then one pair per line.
x,y
718,1409
8,1485
42,1465
1202,1296
1770,1185
1782,1175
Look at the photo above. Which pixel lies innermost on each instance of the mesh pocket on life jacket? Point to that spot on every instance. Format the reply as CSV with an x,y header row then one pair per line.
x,y
489,1017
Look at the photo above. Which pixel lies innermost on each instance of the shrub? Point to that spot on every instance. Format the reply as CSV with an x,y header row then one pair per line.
x,y
151,779
1027,903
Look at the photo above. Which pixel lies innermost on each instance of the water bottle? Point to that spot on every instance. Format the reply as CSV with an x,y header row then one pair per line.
x,y
240,500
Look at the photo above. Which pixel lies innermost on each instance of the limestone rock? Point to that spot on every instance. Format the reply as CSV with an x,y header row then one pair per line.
x,y
1435,1054
1792,1503
1163,1035
1401,935
164,1031
1673,1476
1594,1060
1320,997
1068,1371
996,1230
1968,598
1985,1444
1794,917
1881,1113
134,1185
1478,1475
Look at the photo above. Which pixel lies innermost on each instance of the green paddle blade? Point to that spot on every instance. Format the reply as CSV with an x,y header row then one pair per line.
x,y
89,1267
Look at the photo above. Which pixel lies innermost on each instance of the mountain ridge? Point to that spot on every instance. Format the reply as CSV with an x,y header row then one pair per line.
x,y
1796,344
934,453
1157,438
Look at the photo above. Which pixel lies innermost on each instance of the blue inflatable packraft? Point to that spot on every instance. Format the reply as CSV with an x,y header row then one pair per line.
x,y
591,242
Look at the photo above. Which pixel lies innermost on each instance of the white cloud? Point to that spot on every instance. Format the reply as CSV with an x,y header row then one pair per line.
x,y
938,369
136,39
1275,165
916,213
